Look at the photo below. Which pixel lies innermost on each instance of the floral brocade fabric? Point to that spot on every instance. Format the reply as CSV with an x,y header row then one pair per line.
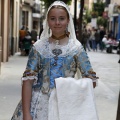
x,y
39,107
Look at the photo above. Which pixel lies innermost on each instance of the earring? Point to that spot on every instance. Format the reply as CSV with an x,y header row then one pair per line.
x,y
49,31
66,31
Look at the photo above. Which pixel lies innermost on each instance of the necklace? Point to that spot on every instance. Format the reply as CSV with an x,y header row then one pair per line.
x,y
57,51
60,37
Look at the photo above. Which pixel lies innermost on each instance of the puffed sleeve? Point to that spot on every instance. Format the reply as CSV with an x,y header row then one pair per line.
x,y
84,65
31,71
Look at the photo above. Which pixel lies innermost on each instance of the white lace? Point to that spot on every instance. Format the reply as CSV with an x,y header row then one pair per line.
x,y
45,48
39,104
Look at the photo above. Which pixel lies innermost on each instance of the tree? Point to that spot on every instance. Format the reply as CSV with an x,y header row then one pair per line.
x,y
99,7
102,21
97,12
80,20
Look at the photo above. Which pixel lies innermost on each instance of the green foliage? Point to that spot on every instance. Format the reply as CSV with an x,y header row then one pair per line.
x,y
102,21
94,14
99,7
49,2
97,12
87,17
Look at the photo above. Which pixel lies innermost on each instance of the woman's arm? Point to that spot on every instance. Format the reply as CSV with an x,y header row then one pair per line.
x,y
26,99
29,78
84,65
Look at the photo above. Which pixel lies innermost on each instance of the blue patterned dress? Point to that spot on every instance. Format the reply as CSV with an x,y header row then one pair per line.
x,y
43,67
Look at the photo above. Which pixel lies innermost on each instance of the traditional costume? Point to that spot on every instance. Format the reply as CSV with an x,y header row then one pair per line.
x,y
56,92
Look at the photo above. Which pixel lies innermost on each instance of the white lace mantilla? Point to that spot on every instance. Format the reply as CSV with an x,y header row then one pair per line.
x,y
45,48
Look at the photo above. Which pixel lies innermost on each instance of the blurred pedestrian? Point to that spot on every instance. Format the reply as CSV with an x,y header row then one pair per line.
x,y
27,43
110,33
34,34
102,33
85,37
107,44
22,34
27,30
92,37
88,45
97,38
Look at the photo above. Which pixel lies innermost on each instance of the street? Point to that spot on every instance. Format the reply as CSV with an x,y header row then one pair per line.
x,y
106,93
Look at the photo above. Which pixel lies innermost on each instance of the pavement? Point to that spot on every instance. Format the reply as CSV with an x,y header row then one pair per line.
x,y
106,93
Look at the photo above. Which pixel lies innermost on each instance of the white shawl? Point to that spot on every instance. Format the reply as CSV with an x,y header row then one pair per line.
x,y
72,100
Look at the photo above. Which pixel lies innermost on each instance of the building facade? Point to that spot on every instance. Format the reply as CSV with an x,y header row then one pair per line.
x,y
114,17
26,14
14,14
30,14
9,28
9,19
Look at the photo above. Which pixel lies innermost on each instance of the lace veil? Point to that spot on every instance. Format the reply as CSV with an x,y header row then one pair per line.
x,y
46,34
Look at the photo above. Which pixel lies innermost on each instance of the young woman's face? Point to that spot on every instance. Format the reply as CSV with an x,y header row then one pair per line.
x,y
58,21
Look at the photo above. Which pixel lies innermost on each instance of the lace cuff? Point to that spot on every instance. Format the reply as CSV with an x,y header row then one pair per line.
x,y
29,78
30,75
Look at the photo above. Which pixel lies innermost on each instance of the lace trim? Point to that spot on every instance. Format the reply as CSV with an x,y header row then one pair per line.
x,y
43,46
29,78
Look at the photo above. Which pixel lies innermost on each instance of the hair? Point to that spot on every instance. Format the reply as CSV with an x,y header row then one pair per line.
x,y
59,7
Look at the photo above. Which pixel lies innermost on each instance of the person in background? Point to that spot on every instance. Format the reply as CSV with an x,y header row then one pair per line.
x,y
110,34
34,34
57,55
89,44
107,44
27,30
97,38
27,43
22,34
102,33
92,37
85,37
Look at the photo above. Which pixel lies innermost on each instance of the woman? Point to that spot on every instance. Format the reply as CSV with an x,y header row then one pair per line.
x,y
57,54
27,43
